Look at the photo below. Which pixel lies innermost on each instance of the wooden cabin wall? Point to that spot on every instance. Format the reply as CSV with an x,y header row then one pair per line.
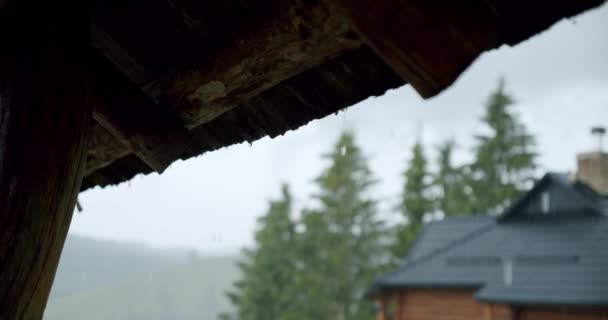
x,y
459,304
438,305
537,313
496,311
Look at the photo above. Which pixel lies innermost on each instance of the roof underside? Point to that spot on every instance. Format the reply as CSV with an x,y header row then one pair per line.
x,y
314,94
173,79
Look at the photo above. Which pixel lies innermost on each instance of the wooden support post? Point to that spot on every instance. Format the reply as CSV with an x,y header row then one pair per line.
x,y
382,305
487,311
44,118
400,301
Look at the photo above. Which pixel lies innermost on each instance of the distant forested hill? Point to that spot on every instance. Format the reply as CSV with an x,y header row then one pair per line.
x,y
123,281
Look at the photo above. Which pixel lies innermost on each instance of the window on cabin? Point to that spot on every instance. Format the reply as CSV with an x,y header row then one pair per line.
x,y
545,201
507,272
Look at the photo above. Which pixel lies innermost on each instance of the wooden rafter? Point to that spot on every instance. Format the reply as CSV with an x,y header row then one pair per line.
x,y
428,43
155,134
103,149
133,69
289,37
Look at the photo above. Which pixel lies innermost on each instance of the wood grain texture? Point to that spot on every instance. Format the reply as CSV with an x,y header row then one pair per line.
x,y
428,43
44,118
103,149
120,57
459,304
501,312
563,313
382,313
235,70
289,37
440,304
311,95
155,134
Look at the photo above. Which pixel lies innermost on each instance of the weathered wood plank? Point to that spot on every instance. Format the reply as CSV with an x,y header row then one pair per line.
x,y
121,58
44,118
428,43
103,149
156,135
289,37
430,304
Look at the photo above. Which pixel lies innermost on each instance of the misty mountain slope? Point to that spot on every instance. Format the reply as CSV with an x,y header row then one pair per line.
x,y
195,290
88,263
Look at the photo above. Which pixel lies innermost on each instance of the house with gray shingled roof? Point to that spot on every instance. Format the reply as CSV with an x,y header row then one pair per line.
x,y
545,257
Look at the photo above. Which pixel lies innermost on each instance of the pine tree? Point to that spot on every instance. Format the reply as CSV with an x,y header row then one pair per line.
x,y
505,160
342,247
266,289
451,183
416,201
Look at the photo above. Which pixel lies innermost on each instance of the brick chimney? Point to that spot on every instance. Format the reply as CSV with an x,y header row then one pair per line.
x,y
592,167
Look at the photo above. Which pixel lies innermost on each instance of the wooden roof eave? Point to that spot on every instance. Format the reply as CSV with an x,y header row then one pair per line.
x,y
427,45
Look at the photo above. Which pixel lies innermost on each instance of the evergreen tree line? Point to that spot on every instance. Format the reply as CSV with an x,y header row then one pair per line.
x,y
319,265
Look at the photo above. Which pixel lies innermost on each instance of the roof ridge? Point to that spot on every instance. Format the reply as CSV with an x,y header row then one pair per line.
x,y
575,188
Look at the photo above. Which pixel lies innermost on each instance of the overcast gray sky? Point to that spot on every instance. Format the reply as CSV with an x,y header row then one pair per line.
x,y
559,78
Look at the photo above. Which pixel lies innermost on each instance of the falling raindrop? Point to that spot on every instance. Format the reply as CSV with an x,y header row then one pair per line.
x,y
343,150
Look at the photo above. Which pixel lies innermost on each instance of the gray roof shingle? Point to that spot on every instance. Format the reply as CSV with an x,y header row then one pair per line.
x,y
553,258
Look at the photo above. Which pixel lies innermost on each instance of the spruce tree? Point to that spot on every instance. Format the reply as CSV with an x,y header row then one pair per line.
x,y
452,194
416,201
266,288
342,248
505,159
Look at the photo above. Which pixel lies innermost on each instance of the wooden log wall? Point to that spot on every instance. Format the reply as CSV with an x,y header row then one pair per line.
x,y
457,304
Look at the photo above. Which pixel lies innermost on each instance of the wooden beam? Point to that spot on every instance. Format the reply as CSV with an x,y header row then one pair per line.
x,y
121,58
288,37
103,149
44,118
155,134
382,308
428,43
487,311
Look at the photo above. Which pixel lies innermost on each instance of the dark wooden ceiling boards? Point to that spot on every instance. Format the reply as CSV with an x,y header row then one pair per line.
x,y
172,79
